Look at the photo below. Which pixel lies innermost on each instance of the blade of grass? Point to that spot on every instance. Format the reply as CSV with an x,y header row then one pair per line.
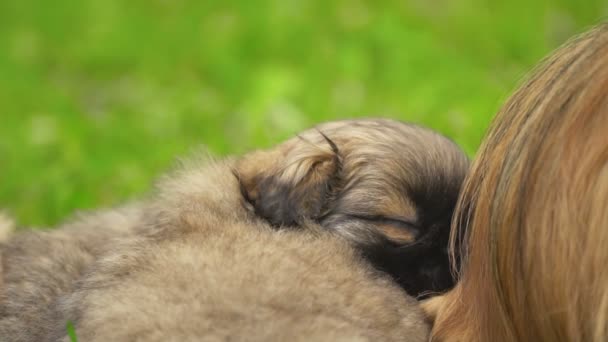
x,y
71,332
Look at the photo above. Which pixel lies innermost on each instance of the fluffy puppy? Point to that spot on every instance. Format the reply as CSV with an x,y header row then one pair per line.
x,y
386,186
38,267
209,269
395,211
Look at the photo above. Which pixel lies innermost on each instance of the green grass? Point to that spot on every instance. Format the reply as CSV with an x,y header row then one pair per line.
x,y
69,327
97,97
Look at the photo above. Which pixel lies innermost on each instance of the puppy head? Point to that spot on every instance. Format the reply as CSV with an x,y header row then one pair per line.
x,y
388,187
292,182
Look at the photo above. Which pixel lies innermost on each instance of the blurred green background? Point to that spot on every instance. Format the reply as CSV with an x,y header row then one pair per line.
x,y
97,97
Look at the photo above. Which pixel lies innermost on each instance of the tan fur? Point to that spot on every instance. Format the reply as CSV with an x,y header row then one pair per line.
x,y
376,157
395,234
41,266
532,219
194,262
6,226
209,270
386,186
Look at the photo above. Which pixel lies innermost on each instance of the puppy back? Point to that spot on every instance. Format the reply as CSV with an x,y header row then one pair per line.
x,y
242,282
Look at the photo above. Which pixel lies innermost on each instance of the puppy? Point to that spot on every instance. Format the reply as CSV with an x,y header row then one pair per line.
x,y
207,268
387,187
37,267
310,182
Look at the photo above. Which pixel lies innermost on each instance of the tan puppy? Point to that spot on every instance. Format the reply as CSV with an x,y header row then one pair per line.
x,y
388,187
199,270
208,269
38,267
203,246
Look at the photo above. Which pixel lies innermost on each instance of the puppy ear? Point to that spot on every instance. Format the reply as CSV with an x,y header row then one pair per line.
x,y
292,182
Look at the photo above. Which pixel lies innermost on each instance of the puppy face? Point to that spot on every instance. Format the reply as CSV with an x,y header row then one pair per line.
x,y
388,187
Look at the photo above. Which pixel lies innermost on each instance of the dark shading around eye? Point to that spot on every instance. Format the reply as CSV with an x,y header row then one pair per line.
x,y
379,219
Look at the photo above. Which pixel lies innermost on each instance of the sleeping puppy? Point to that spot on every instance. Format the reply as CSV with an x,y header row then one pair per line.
x,y
386,211
207,268
198,266
37,267
387,187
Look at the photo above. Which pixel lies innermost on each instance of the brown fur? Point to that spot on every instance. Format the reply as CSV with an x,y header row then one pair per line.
x,y
38,267
386,186
532,220
208,269
6,226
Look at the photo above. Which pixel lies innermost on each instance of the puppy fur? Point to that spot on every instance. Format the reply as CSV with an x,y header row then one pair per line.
x,y
39,266
206,247
6,226
207,269
386,186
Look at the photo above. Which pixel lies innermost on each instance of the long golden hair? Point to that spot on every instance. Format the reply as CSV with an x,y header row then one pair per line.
x,y
531,226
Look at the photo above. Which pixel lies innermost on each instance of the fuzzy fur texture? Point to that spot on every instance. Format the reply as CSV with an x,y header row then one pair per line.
x,y
388,187
202,258
6,226
6,229
204,268
38,267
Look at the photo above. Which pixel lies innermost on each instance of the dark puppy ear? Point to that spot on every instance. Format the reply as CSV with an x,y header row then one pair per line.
x,y
294,181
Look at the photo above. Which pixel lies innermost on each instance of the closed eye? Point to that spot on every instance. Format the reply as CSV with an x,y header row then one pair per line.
x,y
403,222
398,230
